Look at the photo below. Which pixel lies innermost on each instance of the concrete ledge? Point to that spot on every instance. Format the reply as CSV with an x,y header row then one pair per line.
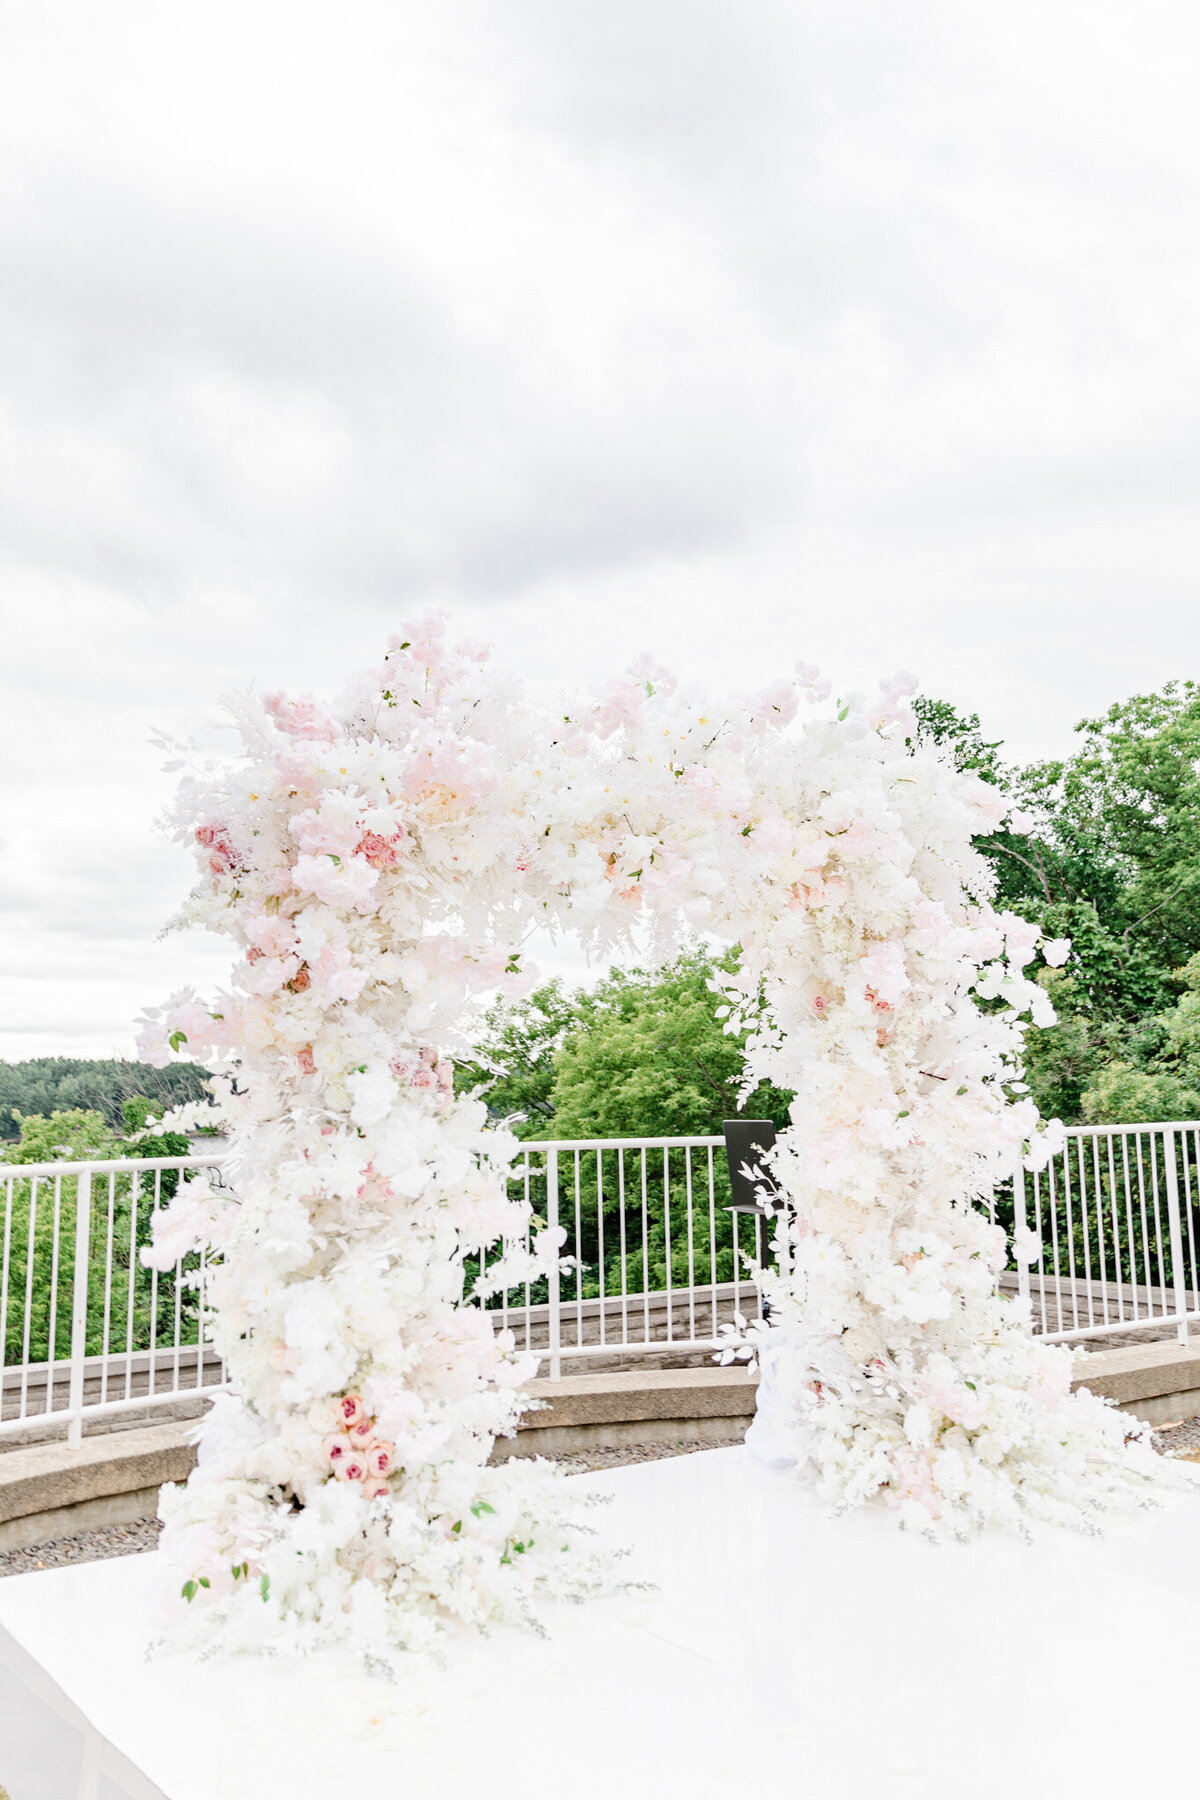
x,y
636,1406
1156,1382
50,1478
641,1394
86,1515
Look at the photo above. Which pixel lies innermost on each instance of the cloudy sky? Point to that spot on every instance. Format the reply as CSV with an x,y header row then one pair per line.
x,y
859,332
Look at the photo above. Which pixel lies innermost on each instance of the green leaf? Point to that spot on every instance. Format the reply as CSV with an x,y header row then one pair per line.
x,y
843,714
188,1590
481,1506
176,1038
264,1586
204,1581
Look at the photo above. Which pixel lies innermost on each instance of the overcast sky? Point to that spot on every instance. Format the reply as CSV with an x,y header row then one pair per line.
x,y
860,332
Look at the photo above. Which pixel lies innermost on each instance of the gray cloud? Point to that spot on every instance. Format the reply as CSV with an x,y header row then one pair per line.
x,y
865,333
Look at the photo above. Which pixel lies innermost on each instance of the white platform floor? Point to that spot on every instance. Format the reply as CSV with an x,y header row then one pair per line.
x,y
784,1652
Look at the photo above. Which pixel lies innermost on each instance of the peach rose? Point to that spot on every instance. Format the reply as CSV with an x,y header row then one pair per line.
x,y
381,1457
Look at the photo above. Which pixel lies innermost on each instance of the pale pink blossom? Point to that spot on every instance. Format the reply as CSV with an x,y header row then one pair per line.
x,y
302,718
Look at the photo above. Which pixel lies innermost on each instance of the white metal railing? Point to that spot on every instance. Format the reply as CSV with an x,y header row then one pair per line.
x,y
655,1262
85,1330
654,1258
1110,1230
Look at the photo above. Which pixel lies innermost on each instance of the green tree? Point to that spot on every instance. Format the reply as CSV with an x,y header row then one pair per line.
x,y
37,1261
513,1063
1154,1073
1109,856
648,1057
642,1054
47,1084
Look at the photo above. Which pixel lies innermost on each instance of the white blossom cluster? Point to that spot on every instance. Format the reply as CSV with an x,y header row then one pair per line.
x,y
381,862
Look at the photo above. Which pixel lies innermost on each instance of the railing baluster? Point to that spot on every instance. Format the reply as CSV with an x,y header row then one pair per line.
x,y
4,1267
624,1255
554,1319
52,1320
27,1322
712,1238
1178,1273
79,1307
647,1334
1018,1188
667,1239
1116,1227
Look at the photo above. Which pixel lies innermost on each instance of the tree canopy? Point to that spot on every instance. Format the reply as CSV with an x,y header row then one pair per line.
x,y
48,1084
642,1054
1105,851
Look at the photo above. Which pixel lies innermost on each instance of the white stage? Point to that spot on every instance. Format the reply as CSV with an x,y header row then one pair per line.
x,y
784,1652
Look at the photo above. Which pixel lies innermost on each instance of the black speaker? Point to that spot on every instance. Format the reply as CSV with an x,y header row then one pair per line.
x,y
745,1142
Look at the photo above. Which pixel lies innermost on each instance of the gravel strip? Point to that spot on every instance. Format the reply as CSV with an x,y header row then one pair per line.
x,y
581,1462
85,1546
1182,1439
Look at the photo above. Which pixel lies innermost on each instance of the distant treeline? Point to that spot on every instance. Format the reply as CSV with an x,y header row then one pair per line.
x,y
47,1084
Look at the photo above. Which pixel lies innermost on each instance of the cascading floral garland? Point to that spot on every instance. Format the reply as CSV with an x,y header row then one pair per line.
x,y
381,862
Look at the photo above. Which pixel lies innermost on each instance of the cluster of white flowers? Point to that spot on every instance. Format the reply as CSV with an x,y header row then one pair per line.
x,y
379,864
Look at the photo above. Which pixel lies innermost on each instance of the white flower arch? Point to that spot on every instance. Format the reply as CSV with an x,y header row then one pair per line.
x,y
381,862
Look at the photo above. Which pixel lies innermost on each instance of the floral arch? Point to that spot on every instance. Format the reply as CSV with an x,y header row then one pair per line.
x,y
380,862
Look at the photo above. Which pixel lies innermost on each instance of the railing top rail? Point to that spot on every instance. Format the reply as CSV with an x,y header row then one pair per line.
x,y
623,1143
1120,1130
109,1166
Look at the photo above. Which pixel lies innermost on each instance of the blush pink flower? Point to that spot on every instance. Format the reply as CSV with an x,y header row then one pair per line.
x,y
381,852
302,718
222,855
375,1489
351,1408
381,1457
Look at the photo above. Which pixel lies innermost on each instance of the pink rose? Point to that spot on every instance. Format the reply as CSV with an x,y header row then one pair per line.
x,y
351,1408
375,1489
380,1457
820,1005
362,1432
352,1467
337,1448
